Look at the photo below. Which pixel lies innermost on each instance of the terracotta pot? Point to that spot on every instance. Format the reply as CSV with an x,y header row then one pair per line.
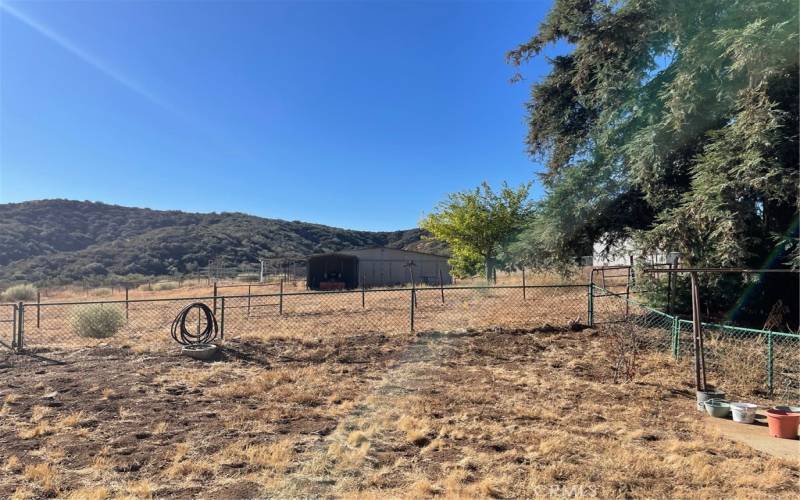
x,y
782,424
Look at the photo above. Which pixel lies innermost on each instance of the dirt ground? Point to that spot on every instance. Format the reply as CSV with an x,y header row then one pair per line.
x,y
529,413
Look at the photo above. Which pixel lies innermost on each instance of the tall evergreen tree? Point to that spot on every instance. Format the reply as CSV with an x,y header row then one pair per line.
x,y
672,122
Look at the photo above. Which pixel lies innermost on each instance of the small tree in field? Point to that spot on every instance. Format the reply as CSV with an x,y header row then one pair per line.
x,y
477,223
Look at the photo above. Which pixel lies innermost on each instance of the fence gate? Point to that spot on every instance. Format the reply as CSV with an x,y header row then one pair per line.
x,y
8,326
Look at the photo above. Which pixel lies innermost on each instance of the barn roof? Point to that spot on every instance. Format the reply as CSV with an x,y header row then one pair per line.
x,y
345,251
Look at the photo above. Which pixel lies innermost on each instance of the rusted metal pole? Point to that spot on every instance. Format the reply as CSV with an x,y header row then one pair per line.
x,y
38,307
697,331
215,298
248,300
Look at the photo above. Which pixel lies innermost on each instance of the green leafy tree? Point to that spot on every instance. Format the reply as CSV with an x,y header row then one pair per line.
x,y
673,123
477,224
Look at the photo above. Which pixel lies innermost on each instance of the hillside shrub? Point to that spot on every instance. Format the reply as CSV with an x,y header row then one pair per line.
x,y
97,321
101,292
165,285
19,292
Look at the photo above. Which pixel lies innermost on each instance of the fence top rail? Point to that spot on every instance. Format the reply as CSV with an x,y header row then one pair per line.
x,y
290,294
742,329
719,270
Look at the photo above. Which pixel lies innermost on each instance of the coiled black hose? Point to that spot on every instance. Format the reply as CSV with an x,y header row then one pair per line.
x,y
181,333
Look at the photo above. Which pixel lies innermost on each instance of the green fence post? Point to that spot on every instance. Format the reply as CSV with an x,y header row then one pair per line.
x,y
769,362
590,303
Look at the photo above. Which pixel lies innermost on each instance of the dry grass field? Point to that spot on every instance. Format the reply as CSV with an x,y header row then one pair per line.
x,y
498,413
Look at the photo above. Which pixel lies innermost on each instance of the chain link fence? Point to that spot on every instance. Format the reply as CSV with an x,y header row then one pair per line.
x,y
743,361
746,362
8,325
145,323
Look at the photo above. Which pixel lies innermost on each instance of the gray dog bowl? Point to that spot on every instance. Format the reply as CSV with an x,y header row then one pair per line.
x,y
203,352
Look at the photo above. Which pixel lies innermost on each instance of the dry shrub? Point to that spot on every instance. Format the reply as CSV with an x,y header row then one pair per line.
x,y
97,321
101,292
44,476
625,346
18,293
162,286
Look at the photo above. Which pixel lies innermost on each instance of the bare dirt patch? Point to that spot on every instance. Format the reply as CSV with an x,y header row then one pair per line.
x,y
506,413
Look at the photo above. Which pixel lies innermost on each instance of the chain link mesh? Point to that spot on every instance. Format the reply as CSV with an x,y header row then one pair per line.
x,y
745,362
145,324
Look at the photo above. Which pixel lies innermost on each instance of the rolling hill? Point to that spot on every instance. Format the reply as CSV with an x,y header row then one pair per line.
x,y
64,241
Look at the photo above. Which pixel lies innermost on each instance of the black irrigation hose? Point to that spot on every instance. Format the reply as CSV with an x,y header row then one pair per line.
x,y
181,333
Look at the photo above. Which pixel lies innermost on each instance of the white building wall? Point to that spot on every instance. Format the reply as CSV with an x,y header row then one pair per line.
x,y
620,254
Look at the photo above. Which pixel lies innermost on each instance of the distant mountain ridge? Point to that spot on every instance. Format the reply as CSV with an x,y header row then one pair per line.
x,y
63,241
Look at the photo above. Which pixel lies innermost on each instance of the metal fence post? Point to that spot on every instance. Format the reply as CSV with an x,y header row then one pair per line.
x,y
627,299
280,300
676,337
222,319
363,291
411,309
215,298
248,300
769,362
590,303
38,307
14,327
441,284
126,303
21,327
524,296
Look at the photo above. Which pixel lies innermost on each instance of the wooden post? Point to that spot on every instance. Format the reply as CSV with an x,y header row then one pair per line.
x,y
126,303
38,307
280,302
248,300
524,295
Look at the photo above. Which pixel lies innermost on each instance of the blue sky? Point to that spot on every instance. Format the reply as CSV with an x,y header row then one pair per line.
x,y
360,115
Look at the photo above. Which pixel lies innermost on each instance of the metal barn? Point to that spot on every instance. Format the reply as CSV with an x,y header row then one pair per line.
x,y
375,267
